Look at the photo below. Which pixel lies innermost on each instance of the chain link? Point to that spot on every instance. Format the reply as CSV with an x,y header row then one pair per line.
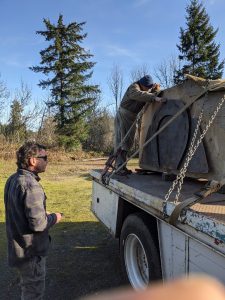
x,y
180,177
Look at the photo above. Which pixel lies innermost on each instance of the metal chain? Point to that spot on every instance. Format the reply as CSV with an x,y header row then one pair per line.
x,y
180,177
188,159
158,131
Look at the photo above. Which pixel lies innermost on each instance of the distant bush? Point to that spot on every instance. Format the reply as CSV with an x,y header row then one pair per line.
x,y
101,133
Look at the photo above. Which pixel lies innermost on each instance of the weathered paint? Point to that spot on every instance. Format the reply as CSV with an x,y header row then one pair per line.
x,y
141,199
195,223
173,250
182,254
200,222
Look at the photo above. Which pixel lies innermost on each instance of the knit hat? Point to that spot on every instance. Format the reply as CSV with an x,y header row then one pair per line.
x,y
146,81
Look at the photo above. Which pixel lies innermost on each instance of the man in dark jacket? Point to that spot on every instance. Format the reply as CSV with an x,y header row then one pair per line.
x,y
27,221
137,95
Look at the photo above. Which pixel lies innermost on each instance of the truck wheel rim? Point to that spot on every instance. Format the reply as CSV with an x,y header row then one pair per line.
x,y
136,262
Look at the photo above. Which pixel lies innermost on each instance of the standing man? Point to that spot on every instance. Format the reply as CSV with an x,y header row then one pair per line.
x,y
27,221
137,95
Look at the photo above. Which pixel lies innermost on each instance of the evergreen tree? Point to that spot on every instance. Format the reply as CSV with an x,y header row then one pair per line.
x,y
199,54
68,69
16,128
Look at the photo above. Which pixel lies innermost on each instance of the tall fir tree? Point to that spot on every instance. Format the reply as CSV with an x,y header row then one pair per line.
x,y
68,69
199,53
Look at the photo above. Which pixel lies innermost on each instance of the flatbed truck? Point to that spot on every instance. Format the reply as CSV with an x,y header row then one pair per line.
x,y
134,210
165,233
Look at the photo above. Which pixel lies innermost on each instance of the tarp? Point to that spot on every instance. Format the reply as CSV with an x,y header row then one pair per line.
x,y
213,85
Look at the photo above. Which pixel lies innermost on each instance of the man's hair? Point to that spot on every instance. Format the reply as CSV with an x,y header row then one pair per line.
x,y
26,151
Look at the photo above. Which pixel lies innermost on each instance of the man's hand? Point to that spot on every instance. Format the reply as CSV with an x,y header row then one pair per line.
x,y
58,217
155,88
160,99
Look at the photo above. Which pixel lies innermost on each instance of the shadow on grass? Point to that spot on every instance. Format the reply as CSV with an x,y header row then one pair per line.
x,y
83,260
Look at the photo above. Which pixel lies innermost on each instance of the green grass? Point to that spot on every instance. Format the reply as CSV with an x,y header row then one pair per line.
x,y
68,190
81,247
71,196
67,186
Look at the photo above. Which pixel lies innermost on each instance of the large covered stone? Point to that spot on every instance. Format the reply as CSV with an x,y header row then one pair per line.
x,y
167,152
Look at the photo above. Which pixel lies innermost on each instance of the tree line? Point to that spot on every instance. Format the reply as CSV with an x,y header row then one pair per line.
x,y
71,117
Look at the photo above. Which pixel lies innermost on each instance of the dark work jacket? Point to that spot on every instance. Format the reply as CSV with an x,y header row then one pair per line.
x,y
27,223
134,98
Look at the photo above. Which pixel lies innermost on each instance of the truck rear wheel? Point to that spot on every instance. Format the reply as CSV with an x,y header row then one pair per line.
x,y
139,254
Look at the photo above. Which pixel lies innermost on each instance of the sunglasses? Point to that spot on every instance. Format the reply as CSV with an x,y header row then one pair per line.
x,y
45,157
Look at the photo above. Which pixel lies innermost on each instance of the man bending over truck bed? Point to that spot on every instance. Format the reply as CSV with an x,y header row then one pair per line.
x,y
137,95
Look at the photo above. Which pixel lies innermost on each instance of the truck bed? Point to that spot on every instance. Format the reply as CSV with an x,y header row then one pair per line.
x,y
148,192
152,184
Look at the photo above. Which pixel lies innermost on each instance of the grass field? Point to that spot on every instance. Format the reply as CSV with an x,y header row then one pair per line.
x,y
83,258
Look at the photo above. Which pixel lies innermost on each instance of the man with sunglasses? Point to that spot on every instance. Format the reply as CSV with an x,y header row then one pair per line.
x,y
27,222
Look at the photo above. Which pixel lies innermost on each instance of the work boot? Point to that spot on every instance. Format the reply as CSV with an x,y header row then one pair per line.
x,y
127,170
124,172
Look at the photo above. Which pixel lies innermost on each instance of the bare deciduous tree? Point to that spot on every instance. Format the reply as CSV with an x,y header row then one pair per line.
x,y
23,94
115,82
32,110
101,128
24,116
138,72
46,133
4,95
165,72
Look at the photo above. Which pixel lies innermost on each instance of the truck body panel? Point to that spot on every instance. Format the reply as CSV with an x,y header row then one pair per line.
x,y
196,244
183,254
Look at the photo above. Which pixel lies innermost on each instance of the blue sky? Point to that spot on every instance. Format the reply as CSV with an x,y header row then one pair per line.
x,y
128,33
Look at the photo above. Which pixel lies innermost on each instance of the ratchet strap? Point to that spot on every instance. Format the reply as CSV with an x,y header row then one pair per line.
x,y
213,187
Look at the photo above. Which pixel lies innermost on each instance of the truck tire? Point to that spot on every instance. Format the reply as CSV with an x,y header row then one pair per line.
x,y
138,251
